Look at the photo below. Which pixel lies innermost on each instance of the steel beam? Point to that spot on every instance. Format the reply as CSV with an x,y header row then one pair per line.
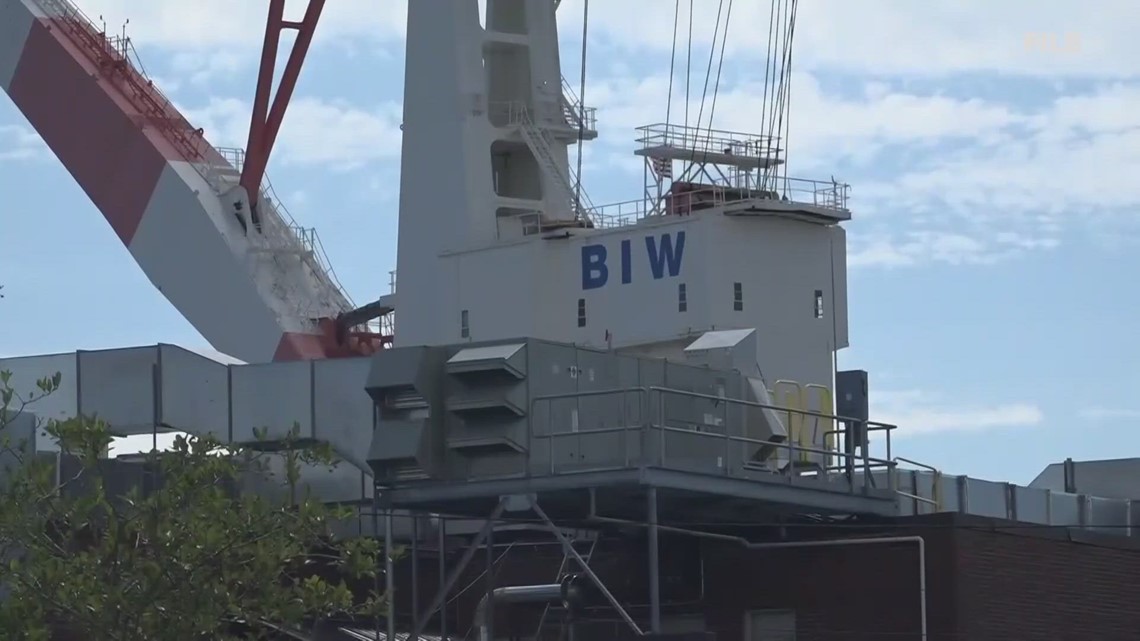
x,y
440,598
265,121
569,548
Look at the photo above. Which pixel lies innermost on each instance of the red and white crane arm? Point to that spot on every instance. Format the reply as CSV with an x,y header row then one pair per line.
x,y
199,220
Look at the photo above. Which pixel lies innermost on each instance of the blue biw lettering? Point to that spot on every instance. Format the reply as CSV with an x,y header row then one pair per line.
x,y
665,255
594,270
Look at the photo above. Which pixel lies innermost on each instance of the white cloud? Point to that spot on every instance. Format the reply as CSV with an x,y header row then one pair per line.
x,y
215,25
916,412
19,144
894,36
971,181
1109,414
973,178
334,134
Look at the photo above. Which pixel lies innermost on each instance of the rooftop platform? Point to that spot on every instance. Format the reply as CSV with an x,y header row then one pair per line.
x,y
682,495
461,426
708,146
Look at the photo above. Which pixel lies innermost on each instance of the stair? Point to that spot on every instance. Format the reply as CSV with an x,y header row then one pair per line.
x,y
578,117
539,145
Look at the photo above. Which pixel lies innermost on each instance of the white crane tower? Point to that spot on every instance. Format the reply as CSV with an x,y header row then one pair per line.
x,y
496,240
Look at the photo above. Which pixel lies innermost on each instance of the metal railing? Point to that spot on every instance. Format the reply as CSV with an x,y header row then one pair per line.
x,y
518,114
284,234
117,61
702,140
698,197
651,418
577,114
935,500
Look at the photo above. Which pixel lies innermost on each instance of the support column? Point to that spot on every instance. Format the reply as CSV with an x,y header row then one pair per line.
x,y
415,576
389,574
654,565
442,578
491,584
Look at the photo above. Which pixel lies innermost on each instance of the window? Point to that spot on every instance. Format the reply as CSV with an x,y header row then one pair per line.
x,y
819,303
737,297
464,325
770,625
581,312
682,298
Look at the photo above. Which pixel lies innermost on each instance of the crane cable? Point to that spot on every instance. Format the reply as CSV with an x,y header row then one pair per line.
x,y
581,113
689,64
708,76
767,76
787,116
719,67
781,112
672,67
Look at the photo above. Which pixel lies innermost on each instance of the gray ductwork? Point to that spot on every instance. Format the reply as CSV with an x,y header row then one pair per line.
x,y
547,592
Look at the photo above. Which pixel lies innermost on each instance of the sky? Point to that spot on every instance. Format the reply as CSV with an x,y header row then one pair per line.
x,y
992,149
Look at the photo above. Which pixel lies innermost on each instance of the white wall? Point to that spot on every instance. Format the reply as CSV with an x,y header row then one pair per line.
x,y
532,288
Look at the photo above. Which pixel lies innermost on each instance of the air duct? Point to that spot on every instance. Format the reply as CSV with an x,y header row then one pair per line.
x,y
567,592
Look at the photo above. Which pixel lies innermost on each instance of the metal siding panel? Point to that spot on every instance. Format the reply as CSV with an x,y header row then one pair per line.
x,y
550,373
118,387
194,392
987,498
1032,505
341,408
598,372
271,396
59,406
1064,509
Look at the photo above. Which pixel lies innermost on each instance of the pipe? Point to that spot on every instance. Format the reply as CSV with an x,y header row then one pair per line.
x,y
797,544
512,594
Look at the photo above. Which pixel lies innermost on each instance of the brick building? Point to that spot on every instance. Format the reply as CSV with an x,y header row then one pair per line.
x,y
985,580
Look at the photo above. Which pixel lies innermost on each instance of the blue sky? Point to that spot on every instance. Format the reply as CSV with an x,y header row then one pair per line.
x,y
994,238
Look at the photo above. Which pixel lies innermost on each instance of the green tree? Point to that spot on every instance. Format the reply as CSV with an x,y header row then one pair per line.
x,y
185,557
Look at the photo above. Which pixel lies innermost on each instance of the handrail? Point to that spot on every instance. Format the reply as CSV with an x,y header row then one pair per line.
x,y
649,423
936,482
139,90
640,391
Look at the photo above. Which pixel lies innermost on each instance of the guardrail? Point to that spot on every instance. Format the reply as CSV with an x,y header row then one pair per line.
x,y
651,418
935,499
703,140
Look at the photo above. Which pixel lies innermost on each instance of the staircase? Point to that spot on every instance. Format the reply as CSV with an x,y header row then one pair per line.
x,y
562,573
563,181
581,119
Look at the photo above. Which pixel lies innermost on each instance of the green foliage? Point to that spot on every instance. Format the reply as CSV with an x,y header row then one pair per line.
x,y
181,558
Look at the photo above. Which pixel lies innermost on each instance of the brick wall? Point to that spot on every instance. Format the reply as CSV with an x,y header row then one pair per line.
x,y
1039,585
845,593
985,582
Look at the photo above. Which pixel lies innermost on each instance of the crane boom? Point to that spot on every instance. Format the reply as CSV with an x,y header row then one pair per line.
x,y
257,292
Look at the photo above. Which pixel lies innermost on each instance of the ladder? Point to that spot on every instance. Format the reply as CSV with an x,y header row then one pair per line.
x,y
539,145
562,573
573,111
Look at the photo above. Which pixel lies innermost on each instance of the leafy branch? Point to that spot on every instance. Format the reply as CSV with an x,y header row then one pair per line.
x,y
182,554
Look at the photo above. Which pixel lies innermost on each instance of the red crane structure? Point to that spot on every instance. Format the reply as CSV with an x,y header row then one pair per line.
x,y
201,221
